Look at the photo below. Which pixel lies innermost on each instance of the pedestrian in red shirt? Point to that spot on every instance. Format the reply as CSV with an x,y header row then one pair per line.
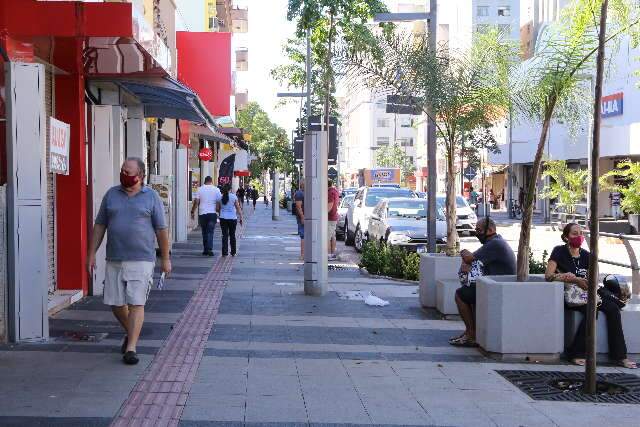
x,y
333,200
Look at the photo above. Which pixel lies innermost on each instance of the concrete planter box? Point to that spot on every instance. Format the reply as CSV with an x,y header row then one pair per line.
x,y
634,222
520,318
630,322
434,267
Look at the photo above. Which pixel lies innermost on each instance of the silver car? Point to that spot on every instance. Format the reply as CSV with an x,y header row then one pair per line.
x,y
342,214
466,217
402,221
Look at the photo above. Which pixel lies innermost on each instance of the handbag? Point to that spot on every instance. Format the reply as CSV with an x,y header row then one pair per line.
x,y
575,296
469,278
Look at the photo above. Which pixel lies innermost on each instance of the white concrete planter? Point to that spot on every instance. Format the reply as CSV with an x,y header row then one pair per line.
x,y
634,222
630,322
520,318
434,267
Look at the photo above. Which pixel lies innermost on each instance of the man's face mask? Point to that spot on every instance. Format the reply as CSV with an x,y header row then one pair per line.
x,y
128,181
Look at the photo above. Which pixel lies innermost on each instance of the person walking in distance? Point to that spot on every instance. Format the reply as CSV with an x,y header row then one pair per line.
x,y
333,198
205,201
254,198
240,193
298,198
230,212
132,215
266,199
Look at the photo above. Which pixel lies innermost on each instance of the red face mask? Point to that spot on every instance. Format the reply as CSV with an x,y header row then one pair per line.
x,y
576,241
128,181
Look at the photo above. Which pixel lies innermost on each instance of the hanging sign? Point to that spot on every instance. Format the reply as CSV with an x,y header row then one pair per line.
x,y
205,154
59,146
612,105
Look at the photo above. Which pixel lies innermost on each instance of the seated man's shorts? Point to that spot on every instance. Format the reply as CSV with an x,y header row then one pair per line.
x,y
127,282
301,230
467,294
331,229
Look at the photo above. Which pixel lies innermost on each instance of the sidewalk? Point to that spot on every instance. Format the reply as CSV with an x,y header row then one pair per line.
x,y
234,342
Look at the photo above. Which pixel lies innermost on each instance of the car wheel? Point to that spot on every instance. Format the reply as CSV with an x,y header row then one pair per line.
x,y
349,237
359,239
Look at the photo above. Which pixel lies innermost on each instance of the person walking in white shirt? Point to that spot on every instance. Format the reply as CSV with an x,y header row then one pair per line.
x,y
230,213
205,200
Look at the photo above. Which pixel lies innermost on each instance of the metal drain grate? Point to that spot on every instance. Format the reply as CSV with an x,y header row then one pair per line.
x,y
567,386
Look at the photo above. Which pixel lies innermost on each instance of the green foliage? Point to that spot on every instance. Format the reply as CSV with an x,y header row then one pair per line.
x,y
569,186
538,267
628,172
393,156
382,259
269,142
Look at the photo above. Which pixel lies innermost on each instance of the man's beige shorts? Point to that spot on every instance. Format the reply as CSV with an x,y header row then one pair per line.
x,y
331,229
127,282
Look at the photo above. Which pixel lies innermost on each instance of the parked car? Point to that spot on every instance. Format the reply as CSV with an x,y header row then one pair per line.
x,y
466,216
348,191
342,215
402,221
366,199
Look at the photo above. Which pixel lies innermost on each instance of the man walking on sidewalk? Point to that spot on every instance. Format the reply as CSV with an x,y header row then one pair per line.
x,y
298,198
333,200
205,200
133,214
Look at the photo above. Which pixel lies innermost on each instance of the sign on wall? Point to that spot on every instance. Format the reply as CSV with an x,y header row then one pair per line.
x,y
59,146
612,105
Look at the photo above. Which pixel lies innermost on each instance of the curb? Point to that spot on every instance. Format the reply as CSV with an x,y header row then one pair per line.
x,y
363,271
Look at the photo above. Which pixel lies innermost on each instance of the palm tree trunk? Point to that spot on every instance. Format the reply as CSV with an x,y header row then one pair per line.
x,y
590,366
452,233
527,210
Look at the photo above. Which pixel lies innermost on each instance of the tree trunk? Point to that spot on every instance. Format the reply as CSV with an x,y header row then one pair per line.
x,y
452,233
527,209
590,366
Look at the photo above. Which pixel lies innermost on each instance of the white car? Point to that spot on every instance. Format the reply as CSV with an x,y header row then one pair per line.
x,y
466,222
402,222
366,199
345,202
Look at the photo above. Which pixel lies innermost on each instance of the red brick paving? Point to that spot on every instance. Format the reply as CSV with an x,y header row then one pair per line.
x,y
161,394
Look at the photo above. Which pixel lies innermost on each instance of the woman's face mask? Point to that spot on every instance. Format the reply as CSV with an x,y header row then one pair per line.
x,y
576,241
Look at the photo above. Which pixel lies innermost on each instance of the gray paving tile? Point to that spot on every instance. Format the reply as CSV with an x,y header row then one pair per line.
x,y
213,412
276,409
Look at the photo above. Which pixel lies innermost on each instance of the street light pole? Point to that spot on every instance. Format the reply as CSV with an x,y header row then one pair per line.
x,y
510,174
432,181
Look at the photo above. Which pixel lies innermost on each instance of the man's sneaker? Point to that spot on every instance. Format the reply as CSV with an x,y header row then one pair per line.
x,y
333,257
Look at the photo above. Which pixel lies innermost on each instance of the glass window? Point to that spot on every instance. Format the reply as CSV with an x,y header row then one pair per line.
x,y
382,140
504,10
460,202
346,201
406,142
483,10
406,122
412,209
382,123
374,195
483,28
505,29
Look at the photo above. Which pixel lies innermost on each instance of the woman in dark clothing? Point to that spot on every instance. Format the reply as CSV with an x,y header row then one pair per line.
x,y
569,263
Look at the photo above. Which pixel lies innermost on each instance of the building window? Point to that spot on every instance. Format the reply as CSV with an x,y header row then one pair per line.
x,y
411,159
505,29
383,123
406,122
406,142
382,141
504,10
483,28
483,11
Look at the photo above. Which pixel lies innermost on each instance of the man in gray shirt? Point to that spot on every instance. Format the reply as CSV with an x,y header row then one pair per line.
x,y
494,258
134,217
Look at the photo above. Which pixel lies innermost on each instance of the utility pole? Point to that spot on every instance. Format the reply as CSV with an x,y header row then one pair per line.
x,y
510,171
275,200
432,181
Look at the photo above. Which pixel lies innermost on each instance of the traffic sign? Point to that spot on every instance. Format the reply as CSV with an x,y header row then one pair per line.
x,y
470,173
205,154
332,173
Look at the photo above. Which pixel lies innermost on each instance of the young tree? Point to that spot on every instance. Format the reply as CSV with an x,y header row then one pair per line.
x,y
394,156
463,90
569,186
551,86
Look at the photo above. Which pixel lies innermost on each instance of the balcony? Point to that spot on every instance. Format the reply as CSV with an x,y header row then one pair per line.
x,y
242,59
239,20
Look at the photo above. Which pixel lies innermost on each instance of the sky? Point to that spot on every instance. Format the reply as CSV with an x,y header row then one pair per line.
x,y
268,30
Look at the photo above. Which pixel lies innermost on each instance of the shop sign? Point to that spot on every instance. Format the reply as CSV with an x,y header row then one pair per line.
x,y
59,146
205,154
612,105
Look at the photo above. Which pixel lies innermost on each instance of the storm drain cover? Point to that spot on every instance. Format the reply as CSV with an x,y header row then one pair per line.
x,y
567,386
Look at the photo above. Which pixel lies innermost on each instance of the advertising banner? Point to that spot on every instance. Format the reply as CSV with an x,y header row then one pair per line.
x,y
59,146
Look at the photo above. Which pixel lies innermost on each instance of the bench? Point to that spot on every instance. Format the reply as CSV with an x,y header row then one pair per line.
x,y
445,296
520,318
630,322
434,267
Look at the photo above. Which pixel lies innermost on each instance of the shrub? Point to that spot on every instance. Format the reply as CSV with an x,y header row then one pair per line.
x,y
382,259
538,267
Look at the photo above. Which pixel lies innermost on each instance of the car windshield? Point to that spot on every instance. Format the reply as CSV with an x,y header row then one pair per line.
x,y
347,200
461,202
412,209
373,196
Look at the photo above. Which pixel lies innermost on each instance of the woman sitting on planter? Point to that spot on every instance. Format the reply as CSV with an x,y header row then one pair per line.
x,y
569,263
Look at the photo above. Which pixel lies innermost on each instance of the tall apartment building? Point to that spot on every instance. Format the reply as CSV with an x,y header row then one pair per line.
x,y
537,13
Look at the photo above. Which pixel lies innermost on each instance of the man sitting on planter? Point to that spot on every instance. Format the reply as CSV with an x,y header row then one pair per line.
x,y
494,258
